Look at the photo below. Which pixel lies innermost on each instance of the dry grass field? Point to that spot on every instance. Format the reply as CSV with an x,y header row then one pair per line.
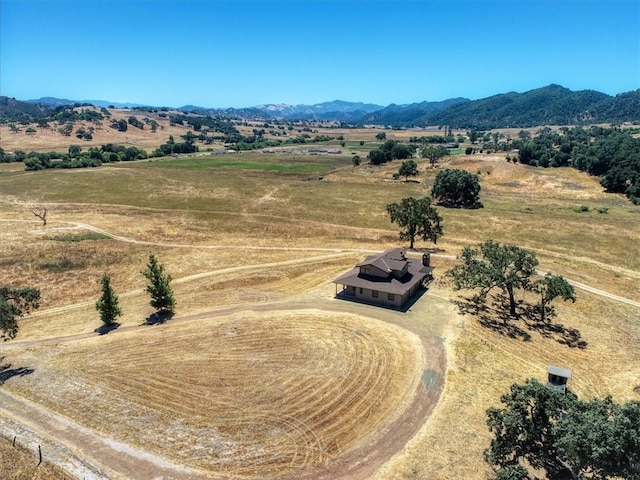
x,y
262,373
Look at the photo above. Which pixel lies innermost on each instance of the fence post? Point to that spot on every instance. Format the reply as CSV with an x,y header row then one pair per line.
x,y
39,455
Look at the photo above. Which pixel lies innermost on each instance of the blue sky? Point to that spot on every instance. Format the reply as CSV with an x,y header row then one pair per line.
x,y
240,53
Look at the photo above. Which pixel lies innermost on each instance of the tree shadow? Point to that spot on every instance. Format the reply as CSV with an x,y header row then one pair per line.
x,y
474,206
6,372
104,329
158,318
494,314
570,337
492,317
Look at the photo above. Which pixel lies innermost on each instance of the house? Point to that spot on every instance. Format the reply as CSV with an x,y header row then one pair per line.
x,y
557,378
388,278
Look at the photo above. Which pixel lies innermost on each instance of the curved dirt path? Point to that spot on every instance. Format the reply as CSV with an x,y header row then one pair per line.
x,y
79,225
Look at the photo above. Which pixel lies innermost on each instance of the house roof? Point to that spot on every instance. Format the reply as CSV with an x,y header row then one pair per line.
x,y
559,371
386,261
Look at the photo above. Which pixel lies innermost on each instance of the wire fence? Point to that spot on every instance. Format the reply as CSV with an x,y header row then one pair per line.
x,y
15,455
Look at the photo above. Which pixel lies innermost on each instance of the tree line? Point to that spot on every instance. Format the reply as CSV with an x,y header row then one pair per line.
x,y
610,153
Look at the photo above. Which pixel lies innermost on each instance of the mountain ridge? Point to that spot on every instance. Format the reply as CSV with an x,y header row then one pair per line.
x,y
552,104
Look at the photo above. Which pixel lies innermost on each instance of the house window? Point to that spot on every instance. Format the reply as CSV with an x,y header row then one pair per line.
x,y
392,297
361,291
374,293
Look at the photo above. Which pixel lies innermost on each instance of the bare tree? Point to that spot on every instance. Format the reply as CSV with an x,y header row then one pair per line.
x,y
41,213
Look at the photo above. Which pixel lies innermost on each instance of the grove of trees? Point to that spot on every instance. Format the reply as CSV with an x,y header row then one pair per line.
x,y
610,153
391,150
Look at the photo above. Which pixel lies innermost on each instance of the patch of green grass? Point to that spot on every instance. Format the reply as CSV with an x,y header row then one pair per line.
x,y
78,237
275,163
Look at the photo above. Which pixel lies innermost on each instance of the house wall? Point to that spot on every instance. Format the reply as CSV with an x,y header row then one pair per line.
x,y
382,298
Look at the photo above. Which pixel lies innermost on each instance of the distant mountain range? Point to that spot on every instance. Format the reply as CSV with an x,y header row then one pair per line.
x,y
337,110
550,105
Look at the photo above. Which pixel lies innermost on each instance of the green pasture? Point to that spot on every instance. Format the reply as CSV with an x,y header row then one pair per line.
x,y
282,163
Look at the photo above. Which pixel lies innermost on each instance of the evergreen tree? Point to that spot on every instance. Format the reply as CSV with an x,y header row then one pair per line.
x,y
159,288
108,303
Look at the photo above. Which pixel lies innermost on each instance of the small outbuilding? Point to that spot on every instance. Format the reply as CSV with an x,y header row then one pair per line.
x,y
557,378
388,278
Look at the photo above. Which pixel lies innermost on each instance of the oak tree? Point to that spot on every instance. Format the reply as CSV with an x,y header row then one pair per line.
x,y
549,288
434,153
15,303
408,168
544,429
416,219
457,188
490,266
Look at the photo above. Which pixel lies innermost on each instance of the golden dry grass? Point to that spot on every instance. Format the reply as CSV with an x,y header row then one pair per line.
x,y
245,248
20,463
241,394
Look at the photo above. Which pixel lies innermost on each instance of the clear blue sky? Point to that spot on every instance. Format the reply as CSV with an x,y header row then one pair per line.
x,y
239,53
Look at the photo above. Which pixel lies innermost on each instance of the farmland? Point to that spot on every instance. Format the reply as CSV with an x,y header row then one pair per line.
x,y
262,373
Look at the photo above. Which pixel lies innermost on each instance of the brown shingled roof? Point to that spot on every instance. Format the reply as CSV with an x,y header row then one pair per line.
x,y
387,261
391,260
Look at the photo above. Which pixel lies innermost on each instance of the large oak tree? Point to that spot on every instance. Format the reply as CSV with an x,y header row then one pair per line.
x,y
490,266
543,429
457,188
416,219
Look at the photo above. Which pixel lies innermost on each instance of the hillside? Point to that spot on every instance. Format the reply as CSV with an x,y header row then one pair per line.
x,y
416,113
551,105
17,110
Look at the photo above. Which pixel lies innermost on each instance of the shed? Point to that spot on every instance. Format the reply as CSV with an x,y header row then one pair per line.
x,y
557,378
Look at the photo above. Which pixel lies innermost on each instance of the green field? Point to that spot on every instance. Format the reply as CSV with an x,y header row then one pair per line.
x,y
308,164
